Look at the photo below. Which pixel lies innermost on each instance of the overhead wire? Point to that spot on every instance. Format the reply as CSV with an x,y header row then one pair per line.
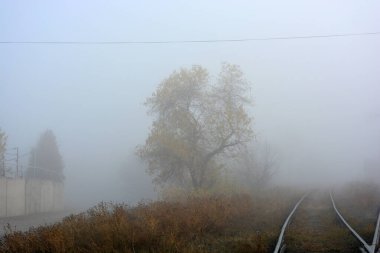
x,y
193,41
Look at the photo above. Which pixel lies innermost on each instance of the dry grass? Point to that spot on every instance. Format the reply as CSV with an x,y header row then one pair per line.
x,y
205,223
316,228
359,203
219,223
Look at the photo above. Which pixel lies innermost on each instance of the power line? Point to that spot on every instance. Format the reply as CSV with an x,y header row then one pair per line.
x,y
193,41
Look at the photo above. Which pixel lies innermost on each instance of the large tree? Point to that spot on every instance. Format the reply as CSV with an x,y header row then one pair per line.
x,y
198,123
45,161
3,142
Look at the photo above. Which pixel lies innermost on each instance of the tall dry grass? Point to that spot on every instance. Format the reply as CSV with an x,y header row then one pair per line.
x,y
359,203
218,223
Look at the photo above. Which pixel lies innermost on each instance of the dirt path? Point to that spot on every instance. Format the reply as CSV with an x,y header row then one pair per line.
x,y
23,223
315,228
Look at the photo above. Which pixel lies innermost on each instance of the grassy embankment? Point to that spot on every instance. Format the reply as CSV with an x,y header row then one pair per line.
x,y
218,223
207,223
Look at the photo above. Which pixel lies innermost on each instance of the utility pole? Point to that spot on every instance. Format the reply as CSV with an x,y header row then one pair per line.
x,y
3,168
34,154
16,162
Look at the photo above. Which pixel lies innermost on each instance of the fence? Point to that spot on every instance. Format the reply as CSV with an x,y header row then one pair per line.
x,y
19,196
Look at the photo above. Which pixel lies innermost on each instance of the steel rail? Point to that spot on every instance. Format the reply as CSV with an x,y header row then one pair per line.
x,y
376,238
369,248
280,240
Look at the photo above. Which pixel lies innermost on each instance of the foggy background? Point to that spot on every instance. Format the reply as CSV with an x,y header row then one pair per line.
x,y
316,100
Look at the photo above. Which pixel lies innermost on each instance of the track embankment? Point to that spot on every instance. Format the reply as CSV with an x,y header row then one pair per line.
x,y
316,228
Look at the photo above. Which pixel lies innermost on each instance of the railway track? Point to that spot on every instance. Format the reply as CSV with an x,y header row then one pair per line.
x,y
316,225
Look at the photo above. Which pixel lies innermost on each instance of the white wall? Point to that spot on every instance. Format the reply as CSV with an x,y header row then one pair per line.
x,y
21,197
33,196
3,197
58,197
15,197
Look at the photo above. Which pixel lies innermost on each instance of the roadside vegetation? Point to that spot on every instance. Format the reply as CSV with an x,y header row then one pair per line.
x,y
197,223
209,222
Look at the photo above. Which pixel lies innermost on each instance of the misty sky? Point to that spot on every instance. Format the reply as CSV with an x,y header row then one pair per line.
x,y
316,100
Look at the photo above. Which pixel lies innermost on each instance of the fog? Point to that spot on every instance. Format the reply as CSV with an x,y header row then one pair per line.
x,y
315,100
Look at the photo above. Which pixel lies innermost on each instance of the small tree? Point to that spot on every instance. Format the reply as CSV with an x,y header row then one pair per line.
x,y
45,160
196,121
259,164
3,143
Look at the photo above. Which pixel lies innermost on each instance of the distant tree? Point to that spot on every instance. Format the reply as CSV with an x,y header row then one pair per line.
x,y
3,143
45,160
259,164
196,122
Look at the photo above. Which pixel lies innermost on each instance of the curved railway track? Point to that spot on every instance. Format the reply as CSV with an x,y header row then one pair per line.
x,y
316,225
